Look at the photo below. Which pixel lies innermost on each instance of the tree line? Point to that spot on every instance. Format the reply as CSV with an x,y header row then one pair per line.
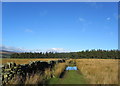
x,y
96,54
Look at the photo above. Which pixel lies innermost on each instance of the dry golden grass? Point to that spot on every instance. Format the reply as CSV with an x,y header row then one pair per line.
x,y
47,73
23,61
59,69
34,79
99,71
16,80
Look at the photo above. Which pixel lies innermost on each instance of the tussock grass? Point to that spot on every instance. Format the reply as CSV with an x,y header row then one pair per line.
x,y
59,69
34,79
47,73
99,71
16,80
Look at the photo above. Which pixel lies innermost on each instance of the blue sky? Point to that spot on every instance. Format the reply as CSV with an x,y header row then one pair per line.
x,y
60,26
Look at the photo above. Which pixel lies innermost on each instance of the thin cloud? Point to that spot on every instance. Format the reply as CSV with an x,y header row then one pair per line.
x,y
108,18
81,19
10,48
57,50
16,49
83,23
28,30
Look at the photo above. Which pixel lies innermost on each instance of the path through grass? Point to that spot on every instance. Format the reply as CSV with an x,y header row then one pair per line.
x,y
70,77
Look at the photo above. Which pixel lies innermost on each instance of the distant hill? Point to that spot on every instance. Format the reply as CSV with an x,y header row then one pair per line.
x,y
5,53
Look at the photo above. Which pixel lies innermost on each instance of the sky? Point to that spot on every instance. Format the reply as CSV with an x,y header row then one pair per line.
x,y
59,26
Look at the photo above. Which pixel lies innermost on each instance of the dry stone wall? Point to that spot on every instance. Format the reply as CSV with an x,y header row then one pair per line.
x,y
9,70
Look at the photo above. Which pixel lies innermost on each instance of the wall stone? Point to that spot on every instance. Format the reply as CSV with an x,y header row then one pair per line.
x,y
9,70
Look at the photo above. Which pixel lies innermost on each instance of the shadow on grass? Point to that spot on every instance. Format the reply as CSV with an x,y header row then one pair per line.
x,y
55,80
62,74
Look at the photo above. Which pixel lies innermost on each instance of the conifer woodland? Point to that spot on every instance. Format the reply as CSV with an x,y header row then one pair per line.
x,y
96,54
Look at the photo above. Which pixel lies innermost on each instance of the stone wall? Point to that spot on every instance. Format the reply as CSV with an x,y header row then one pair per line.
x,y
9,70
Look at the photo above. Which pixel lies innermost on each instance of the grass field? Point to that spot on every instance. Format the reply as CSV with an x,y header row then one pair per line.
x,y
99,71
23,61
